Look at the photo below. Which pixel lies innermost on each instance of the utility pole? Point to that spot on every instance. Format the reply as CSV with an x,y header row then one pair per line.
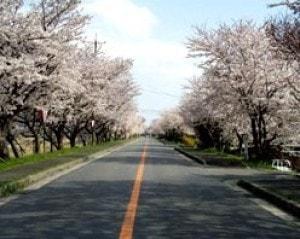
x,y
95,45
95,55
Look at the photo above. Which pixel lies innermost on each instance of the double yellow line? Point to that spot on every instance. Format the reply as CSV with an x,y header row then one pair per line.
x,y
129,219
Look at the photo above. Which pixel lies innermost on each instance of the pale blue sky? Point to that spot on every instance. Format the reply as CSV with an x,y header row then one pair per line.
x,y
177,16
153,32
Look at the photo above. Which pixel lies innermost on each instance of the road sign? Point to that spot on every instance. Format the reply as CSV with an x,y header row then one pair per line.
x,y
41,115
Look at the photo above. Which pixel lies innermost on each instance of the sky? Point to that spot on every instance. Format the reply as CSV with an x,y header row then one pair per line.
x,y
153,33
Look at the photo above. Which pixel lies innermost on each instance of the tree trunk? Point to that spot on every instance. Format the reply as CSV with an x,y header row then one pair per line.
x,y
4,153
60,141
255,136
73,140
97,139
13,147
10,138
83,140
36,141
240,139
260,133
59,138
59,134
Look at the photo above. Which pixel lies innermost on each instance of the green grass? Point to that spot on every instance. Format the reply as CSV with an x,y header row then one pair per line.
x,y
217,153
9,188
215,157
76,152
259,164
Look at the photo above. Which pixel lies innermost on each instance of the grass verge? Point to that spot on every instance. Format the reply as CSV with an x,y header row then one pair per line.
x,y
76,152
213,156
16,174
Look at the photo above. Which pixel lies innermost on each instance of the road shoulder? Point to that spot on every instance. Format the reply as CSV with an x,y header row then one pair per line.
x,y
34,179
259,189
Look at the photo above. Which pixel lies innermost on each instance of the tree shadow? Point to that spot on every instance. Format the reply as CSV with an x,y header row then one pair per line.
x,y
154,156
95,209
91,209
212,211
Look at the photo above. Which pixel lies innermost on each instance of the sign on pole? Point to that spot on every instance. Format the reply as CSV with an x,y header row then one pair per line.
x,y
41,115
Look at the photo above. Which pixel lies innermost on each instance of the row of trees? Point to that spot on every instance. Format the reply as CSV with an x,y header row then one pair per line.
x,y
170,126
48,69
249,84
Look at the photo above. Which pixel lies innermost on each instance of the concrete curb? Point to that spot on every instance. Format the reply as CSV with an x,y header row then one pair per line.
x,y
49,175
284,204
198,160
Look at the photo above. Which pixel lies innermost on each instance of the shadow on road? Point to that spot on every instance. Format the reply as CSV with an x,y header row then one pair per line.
x,y
95,209
75,210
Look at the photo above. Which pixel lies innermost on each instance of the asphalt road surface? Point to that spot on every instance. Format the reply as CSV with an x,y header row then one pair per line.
x,y
142,192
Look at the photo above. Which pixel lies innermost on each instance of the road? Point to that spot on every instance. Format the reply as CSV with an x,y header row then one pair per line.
x,y
142,192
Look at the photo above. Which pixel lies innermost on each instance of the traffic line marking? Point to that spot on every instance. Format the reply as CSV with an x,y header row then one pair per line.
x,y
129,219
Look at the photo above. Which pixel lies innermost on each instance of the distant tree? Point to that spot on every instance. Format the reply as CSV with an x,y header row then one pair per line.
x,y
170,125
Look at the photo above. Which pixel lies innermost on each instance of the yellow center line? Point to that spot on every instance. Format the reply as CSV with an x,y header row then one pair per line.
x,y
129,219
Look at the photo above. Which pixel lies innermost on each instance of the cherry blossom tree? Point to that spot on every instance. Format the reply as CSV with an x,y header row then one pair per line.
x,y
284,33
37,44
244,86
22,83
44,65
170,125
202,113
